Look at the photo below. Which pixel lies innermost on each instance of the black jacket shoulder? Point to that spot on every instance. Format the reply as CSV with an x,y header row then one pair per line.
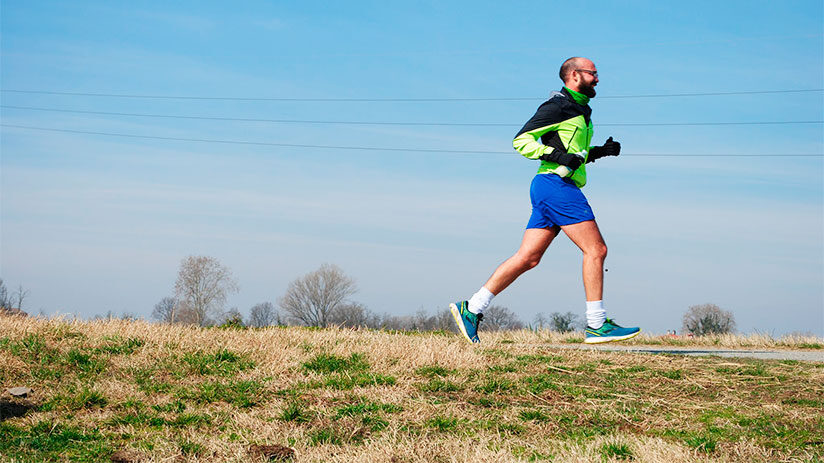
x,y
559,107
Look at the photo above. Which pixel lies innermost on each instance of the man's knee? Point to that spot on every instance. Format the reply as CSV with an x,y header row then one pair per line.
x,y
599,250
530,261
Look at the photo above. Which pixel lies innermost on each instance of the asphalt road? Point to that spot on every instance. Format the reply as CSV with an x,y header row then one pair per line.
x,y
765,354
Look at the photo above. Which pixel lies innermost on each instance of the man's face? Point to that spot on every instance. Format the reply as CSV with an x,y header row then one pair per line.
x,y
586,76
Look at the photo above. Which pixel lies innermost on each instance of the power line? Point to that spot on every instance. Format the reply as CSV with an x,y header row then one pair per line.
x,y
390,100
449,124
368,148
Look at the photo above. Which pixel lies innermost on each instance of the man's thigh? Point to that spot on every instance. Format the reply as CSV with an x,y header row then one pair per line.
x,y
585,235
537,240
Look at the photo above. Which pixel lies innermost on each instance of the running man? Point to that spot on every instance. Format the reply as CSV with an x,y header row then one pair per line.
x,y
559,135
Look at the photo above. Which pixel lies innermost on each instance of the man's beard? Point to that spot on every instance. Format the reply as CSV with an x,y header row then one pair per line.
x,y
588,90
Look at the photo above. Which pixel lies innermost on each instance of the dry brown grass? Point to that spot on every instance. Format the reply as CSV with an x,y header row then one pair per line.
x,y
731,341
162,392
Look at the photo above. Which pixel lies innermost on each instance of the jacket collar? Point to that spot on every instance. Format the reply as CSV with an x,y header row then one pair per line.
x,y
578,97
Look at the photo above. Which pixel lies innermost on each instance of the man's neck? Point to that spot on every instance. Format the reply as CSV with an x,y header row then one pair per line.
x,y
579,97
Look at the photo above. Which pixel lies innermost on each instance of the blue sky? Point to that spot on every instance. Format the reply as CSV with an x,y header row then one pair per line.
x,y
92,223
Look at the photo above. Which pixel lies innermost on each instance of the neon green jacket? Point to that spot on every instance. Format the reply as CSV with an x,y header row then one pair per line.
x,y
560,123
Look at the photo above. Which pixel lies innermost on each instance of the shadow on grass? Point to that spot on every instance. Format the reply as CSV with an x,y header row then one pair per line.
x,y
14,408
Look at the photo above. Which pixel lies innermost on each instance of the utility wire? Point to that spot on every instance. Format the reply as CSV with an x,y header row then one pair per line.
x,y
368,148
390,100
451,124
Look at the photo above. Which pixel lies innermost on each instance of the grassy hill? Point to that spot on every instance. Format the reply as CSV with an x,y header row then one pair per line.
x,y
137,391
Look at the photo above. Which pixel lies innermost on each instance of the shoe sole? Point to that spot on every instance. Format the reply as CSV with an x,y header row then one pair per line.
x,y
601,340
456,314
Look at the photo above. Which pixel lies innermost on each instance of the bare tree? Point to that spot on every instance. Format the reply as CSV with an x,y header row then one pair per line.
x,y
708,319
540,320
264,314
201,289
12,303
564,322
313,298
164,310
5,298
353,315
19,296
111,315
444,321
498,317
232,318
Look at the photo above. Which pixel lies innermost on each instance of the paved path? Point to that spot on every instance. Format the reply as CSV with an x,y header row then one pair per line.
x,y
766,354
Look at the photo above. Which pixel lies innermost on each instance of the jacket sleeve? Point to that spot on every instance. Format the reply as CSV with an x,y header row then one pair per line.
x,y
530,139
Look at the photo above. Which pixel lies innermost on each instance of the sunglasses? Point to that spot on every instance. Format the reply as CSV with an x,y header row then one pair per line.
x,y
592,73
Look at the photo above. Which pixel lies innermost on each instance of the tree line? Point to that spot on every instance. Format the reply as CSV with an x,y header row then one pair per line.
x,y
323,298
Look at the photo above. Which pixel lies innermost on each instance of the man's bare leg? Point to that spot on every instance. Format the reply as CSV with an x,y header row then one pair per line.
x,y
533,246
587,236
468,314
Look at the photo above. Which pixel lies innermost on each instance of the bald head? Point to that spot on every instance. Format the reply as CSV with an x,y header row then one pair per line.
x,y
579,74
576,62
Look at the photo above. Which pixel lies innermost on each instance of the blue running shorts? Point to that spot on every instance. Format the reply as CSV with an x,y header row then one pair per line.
x,y
557,201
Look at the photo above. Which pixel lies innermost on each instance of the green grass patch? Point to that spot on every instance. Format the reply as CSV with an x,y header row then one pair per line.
x,y
190,420
150,382
325,436
585,426
33,349
84,399
222,363
495,385
433,371
754,369
530,359
117,345
701,443
443,423
440,385
540,383
172,407
362,408
617,451
505,368
533,415
297,412
330,363
347,381
85,364
810,345
374,423
488,402
190,448
52,441
804,402
242,394
522,453
137,418
672,374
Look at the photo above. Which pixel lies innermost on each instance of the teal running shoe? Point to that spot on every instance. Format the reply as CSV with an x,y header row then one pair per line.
x,y
610,331
466,320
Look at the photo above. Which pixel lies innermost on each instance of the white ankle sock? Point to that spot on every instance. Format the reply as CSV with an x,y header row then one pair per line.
x,y
480,300
596,314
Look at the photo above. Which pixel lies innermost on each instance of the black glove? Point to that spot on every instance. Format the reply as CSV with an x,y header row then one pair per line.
x,y
610,148
573,161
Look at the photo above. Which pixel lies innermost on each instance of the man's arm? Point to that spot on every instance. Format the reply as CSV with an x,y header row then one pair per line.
x,y
542,127
539,139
